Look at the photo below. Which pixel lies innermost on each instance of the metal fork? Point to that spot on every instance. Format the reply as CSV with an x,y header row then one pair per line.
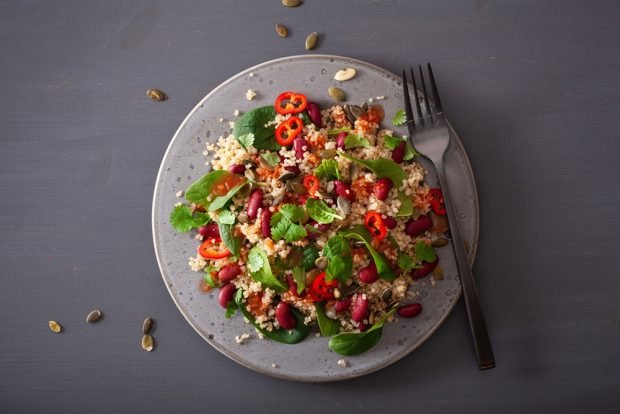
x,y
430,137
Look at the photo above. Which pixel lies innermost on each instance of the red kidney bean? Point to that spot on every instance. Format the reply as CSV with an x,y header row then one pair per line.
x,y
427,267
340,138
342,304
254,203
229,272
284,316
409,311
390,222
398,154
361,308
418,226
343,190
314,112
265,222
322,228
362,326
298,146
293,169
210,231
292,285
226,294
237,169
382,188
369,273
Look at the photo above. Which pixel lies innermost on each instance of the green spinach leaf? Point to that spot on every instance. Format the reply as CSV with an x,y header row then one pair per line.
x,y
360,232
260,270
327,169
300,279
226,226
382,168
406,205
354,141
200,190
272,158
327,325
405,262
231,309
349,343
321,212
254,122
340,259
220,201
310,254
183,220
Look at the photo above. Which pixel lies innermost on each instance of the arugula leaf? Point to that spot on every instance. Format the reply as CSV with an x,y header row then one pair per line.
x,y
337,131
272,158
254,122
360,232
246,140
183,220
311,253
327,169
258,264
286,336
300,279
220,201
321,212
425,252
400,117
382,168
349,343
406,205
340,259
327,325
392,141
231,308
200,190
405,262
354,141
283,224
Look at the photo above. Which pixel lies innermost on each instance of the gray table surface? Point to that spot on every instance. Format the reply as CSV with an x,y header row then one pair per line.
x,y
531,86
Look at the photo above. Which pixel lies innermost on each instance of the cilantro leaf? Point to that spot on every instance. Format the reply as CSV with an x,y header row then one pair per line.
x,y
321,212
246,140
405,262
226,217
354,141
260,270
425,252
392,141
300,279
272,158
340,259
327,169
183,220
283,224
400,117
292,212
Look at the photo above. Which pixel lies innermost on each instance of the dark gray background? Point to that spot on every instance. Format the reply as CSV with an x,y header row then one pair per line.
x,y
531,86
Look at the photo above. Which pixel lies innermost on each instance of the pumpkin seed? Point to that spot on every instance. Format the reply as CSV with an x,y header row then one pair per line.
x,y
329,187
347,112
291,3
311,275
344,205
311,40
297,187
321,263
287,176
345,74
328,153
156,95
55,326
365,106
386,295
263,163
337,93
322,194
147,325
281,30
249,174
94,316
437,273
440,242
148,343
277,200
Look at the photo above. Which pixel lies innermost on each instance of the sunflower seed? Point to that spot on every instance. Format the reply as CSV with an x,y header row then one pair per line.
x,y
437,273
55,326
386,295
148,343
94,316
344,205
329,187
311,40
156,95
281,30
321,263
328,153
337,93
322,194
345,74
291,3
147,325
440,242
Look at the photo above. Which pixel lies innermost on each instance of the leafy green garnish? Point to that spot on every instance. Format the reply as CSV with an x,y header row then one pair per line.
x,y
246,140
208,278
405,262
382,168
284,226
254,122
327,169
286,336
391,142
337,131
272,158
400,117
354,141
225,224
327,325
183,220
260,270
349,343
340,259
321,212
311,253
200,190
300,279
360,232
425,252
406,205
226,217
231,308
220,201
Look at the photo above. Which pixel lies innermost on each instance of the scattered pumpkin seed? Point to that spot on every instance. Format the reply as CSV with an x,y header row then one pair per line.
x,y
345,74
147,325
291,3
55,326
263,163
337,93
287,176
328,153
440,242
297,187
148,343
156,95
277,200
357,111
344,205
386,295
437,273
94,316
311,40
242,218
311,275
329,187
321,263
322,194
281,30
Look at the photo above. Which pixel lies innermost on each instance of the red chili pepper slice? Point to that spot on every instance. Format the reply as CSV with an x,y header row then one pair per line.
x,y
288,131
437,202
312,184
374,224
213,249
321,290
290,103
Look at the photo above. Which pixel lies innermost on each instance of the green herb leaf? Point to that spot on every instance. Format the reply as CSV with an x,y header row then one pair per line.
x,y
337,131
310,254
340,259
405,262
220,201
292,212
231,308
254,122
200,190
183,220
406,205
321,212
260,270
354,141
283,224
400,117
391,142
226,217
349,343
231,242
272,158
327,169
246,140
327,325
360,232
382,168
208,278
300,279
292,336
425,252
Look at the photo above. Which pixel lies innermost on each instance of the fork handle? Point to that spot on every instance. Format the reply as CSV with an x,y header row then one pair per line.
x,y
482,343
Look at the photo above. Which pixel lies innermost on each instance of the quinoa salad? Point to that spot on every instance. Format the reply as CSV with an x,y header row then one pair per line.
x,y
314,221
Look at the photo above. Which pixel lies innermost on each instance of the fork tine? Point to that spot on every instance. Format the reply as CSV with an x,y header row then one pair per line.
x,y
417,99
429,112
408,107
438,108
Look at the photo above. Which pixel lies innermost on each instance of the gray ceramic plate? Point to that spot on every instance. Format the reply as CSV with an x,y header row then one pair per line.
x,y
184,162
